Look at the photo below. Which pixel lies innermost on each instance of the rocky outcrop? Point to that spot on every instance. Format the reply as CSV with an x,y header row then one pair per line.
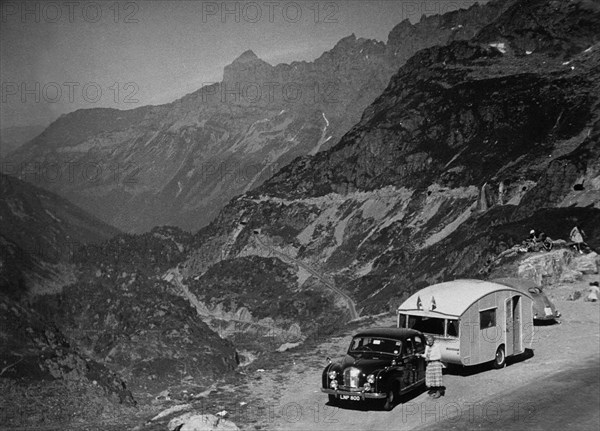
x,y
34,351
200,422
587,263
546,268
558,266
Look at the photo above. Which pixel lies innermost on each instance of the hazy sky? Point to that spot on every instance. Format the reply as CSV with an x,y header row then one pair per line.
x,y
59,56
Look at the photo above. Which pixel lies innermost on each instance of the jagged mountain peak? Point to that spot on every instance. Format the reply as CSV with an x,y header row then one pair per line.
x,y
246,56
248,67
351,39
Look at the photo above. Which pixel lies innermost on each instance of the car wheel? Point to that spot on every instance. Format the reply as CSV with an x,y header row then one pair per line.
x,y
500,359
332,400
389,401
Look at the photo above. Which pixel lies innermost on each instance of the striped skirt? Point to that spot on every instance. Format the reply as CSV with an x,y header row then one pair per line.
x,y
433,374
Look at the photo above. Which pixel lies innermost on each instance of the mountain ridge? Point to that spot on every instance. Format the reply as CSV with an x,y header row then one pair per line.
x,y
276,112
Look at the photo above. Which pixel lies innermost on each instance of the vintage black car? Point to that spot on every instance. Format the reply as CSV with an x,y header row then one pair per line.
x,y
381,363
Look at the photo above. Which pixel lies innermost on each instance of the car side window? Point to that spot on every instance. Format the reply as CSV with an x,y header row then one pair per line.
x,y
419,345
408,347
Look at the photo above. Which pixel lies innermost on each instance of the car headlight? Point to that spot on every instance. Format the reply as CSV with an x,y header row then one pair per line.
x,y
367,386
333,384
332,374
371,378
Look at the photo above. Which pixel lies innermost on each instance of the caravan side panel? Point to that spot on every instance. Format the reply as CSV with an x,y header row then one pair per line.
x,y
482,329
490,316
469,331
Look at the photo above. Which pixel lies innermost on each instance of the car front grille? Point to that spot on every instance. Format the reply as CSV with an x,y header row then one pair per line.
x,y
351,376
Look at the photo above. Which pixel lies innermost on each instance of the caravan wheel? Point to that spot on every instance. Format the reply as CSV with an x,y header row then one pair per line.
x,y
500,359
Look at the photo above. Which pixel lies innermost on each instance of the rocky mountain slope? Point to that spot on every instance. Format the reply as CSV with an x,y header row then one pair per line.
x,y
40,232
86,319
180,163
44,375
12,138
470,146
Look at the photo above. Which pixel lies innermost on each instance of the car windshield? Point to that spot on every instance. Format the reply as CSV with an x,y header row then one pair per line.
x,y
375,344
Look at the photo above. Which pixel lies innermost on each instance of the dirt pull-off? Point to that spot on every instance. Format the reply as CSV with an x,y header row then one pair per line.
x,y
290,398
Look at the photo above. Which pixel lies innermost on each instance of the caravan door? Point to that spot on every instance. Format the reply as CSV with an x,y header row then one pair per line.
x,y
513,326
509,327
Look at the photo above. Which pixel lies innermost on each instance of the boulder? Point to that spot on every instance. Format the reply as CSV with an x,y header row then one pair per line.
x,y
570,276
545,268
586,263
198,422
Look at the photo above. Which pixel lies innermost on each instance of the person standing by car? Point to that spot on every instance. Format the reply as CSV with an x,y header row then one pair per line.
x,y
433,373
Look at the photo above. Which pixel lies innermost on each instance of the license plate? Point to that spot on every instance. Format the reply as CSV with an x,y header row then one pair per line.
x,y
548,311
350,397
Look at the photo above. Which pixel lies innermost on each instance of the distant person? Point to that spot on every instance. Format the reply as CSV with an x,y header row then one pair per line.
x,y
532,243
433,373
577,235
545,241
593,293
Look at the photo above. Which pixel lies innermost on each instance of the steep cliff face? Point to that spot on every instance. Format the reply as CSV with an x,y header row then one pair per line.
x,y
180,163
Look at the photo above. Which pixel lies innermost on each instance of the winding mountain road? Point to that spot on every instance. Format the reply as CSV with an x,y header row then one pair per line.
x,y
201,309
349,301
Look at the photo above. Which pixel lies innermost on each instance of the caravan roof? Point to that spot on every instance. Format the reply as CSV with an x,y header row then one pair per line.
x,y
451,298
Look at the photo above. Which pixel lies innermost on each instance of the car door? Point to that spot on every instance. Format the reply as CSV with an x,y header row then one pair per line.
x,y
419,346
411,364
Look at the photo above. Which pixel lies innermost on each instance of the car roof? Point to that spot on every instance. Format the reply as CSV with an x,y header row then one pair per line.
x,y
396,333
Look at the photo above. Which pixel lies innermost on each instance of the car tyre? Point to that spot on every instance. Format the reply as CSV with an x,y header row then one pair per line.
x,y
333,400
500,358
389,400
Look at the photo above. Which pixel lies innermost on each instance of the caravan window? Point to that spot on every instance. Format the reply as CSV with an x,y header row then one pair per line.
x,y
429,325
452,328
487,318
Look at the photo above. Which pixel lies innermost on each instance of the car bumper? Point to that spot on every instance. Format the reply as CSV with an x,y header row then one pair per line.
x,y
363,395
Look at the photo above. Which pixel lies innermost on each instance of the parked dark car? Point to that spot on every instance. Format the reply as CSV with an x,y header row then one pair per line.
x,y
381,363
543,309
